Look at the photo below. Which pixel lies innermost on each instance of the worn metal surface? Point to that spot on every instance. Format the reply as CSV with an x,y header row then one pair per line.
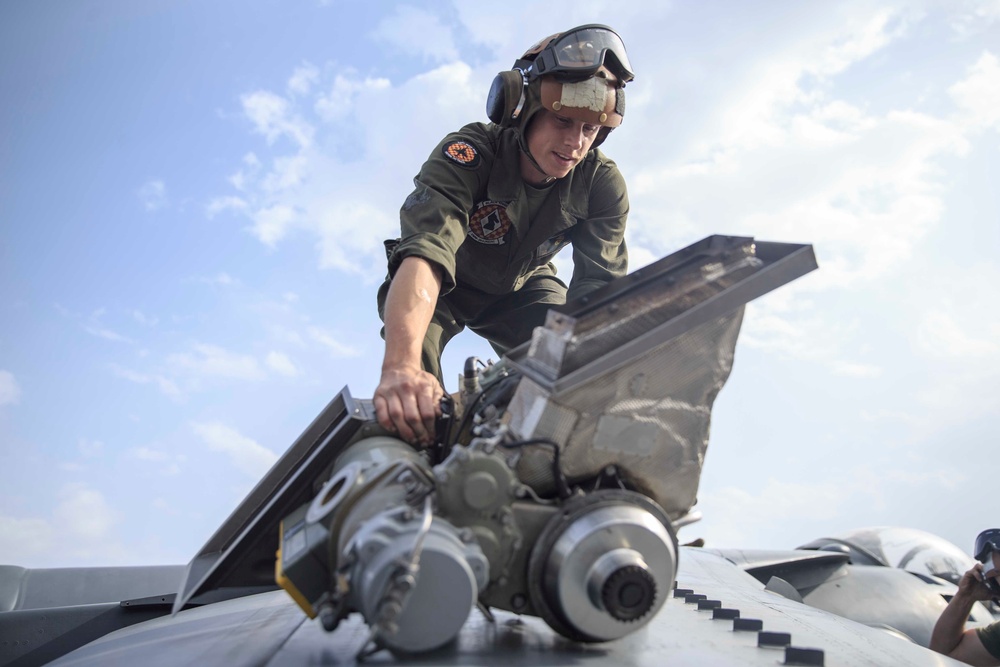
x,y
268,629
24,588
628,379
47,612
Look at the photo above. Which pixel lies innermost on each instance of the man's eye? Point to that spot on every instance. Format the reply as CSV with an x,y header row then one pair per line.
x,y
591,129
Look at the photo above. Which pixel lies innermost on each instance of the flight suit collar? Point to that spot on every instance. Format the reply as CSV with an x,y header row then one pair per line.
x,y
556,215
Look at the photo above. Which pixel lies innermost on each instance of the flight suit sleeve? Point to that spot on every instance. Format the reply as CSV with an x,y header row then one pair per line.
x,y
599,252
990,637
434,219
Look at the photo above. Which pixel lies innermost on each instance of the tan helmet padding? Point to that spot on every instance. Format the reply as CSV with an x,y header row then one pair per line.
x,y
591,100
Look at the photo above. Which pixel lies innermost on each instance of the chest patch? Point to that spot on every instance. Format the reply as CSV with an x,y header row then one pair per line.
x,y
489,223
461,152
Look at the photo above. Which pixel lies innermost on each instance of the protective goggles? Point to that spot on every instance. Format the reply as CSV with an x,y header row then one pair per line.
x,y
579,53
988,541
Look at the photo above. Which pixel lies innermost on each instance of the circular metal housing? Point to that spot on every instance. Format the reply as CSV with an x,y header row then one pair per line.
x,y
425,611
603,567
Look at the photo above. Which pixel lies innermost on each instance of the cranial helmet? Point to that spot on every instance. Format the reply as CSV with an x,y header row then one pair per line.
x,y
987,542
580,74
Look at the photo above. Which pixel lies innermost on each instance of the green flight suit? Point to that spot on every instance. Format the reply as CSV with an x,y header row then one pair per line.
x,y
470,213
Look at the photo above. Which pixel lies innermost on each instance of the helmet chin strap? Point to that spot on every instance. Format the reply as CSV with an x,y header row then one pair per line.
x,y
534,163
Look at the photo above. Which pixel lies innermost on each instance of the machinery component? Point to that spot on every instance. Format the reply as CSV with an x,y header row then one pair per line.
x,y
362,544
558,491
476,488
605,565
401,564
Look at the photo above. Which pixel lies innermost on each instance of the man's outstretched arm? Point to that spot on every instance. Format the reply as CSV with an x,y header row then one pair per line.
x,y
407,398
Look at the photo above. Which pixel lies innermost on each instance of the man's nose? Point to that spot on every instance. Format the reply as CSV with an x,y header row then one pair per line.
x,y
574,136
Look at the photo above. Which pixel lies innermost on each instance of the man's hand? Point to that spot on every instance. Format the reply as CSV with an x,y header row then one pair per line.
x,y
407,401
972,585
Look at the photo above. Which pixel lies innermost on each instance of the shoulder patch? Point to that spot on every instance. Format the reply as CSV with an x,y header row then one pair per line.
x,y
461,152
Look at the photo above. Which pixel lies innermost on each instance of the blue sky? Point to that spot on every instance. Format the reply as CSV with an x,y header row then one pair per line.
x,y
193,198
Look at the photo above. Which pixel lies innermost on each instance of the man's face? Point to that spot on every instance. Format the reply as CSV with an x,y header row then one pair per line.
x,y
991,572
995,570
558,143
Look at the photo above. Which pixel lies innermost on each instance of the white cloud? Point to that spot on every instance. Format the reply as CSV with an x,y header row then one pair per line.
x,y
757,516
153,195
229,203
855,369
222,279
271,224
214,361
334,253
148,454
95,328
417,32
287,174
334,188
951,479
144,320
248,456
975,16
10,391
106,334
85,513
336,348
242,178
272,117
164,384
939,335
171,462
796,154
285,335
82,528
978,95
339,102
739,517
23,540
90,448
281,364
303,78
958,395
786,324
863,39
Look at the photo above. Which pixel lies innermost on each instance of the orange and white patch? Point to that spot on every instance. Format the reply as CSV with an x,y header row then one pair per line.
x,y
461,152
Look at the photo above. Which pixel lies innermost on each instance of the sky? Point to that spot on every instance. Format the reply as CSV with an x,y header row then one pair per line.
x,y
193,198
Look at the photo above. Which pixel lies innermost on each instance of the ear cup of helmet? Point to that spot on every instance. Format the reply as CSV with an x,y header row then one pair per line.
x,y
506,97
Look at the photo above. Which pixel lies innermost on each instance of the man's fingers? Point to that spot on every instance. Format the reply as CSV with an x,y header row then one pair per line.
x,y
408,403
382,414
414,419
398,416
428,402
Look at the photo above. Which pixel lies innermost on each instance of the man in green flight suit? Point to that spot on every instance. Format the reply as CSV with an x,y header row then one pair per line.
x,y
975,646
492,206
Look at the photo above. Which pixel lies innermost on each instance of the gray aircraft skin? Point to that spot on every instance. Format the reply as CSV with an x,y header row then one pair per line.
x,y
540,529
